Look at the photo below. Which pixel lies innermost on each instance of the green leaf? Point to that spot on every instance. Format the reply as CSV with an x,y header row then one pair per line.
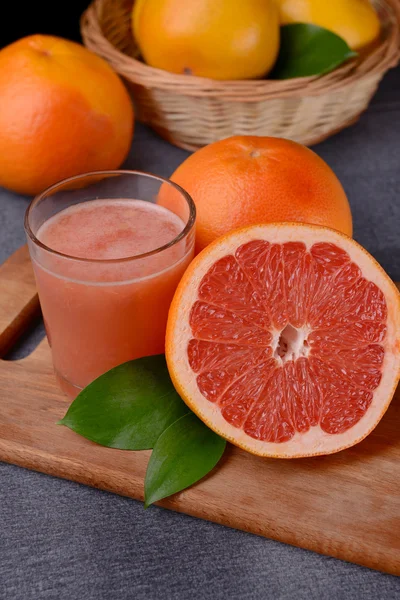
x,y
307,50
128,407
183,454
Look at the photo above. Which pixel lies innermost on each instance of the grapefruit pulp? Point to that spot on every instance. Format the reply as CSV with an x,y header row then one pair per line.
x,y
285,339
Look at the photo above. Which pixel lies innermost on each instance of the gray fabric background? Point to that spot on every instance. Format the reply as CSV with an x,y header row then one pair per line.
x,y
60,540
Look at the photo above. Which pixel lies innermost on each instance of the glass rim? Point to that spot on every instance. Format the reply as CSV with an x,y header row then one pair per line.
x,y
113,172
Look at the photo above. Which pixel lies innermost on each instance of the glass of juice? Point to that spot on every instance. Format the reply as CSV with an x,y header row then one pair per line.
x,y
108,250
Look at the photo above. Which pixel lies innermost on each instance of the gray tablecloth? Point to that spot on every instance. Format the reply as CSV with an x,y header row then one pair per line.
x,y
60,540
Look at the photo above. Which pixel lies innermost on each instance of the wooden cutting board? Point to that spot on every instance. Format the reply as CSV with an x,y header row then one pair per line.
x,y
346,505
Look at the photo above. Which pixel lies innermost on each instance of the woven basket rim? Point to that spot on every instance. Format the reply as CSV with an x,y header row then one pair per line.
x,y
248,90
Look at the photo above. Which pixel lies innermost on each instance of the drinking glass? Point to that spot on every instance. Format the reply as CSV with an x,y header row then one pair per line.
x,y
99,313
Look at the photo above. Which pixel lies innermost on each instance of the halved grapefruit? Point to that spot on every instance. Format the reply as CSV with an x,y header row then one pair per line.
x,y
285,339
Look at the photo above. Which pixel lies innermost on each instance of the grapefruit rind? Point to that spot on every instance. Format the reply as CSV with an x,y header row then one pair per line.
x,y
315,441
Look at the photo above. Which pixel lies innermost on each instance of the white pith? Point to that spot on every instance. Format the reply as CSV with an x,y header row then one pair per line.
x,y
290,343
315,441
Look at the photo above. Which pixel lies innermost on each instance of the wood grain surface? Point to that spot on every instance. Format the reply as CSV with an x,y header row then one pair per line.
x,y
345,505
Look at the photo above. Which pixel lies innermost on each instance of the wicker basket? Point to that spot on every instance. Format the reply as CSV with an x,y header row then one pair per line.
x,y
193,111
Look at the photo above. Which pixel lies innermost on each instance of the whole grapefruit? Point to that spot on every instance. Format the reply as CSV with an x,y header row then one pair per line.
x,y
246,180
63,111
228,39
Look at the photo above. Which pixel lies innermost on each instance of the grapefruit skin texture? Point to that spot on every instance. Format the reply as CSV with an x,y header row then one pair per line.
x,y
63,111
246,180
178,332
228,39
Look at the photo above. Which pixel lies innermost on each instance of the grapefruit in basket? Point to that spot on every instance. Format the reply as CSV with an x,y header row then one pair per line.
x,y
356,21
285,339
227,39
245,180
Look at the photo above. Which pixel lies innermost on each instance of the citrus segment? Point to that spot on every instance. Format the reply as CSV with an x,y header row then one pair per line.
x,y
283,346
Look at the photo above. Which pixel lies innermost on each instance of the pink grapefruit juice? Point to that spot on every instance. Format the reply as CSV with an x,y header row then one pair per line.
x,y
109,303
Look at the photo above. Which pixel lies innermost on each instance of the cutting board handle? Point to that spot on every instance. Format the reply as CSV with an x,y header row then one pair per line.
x,y
19,303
